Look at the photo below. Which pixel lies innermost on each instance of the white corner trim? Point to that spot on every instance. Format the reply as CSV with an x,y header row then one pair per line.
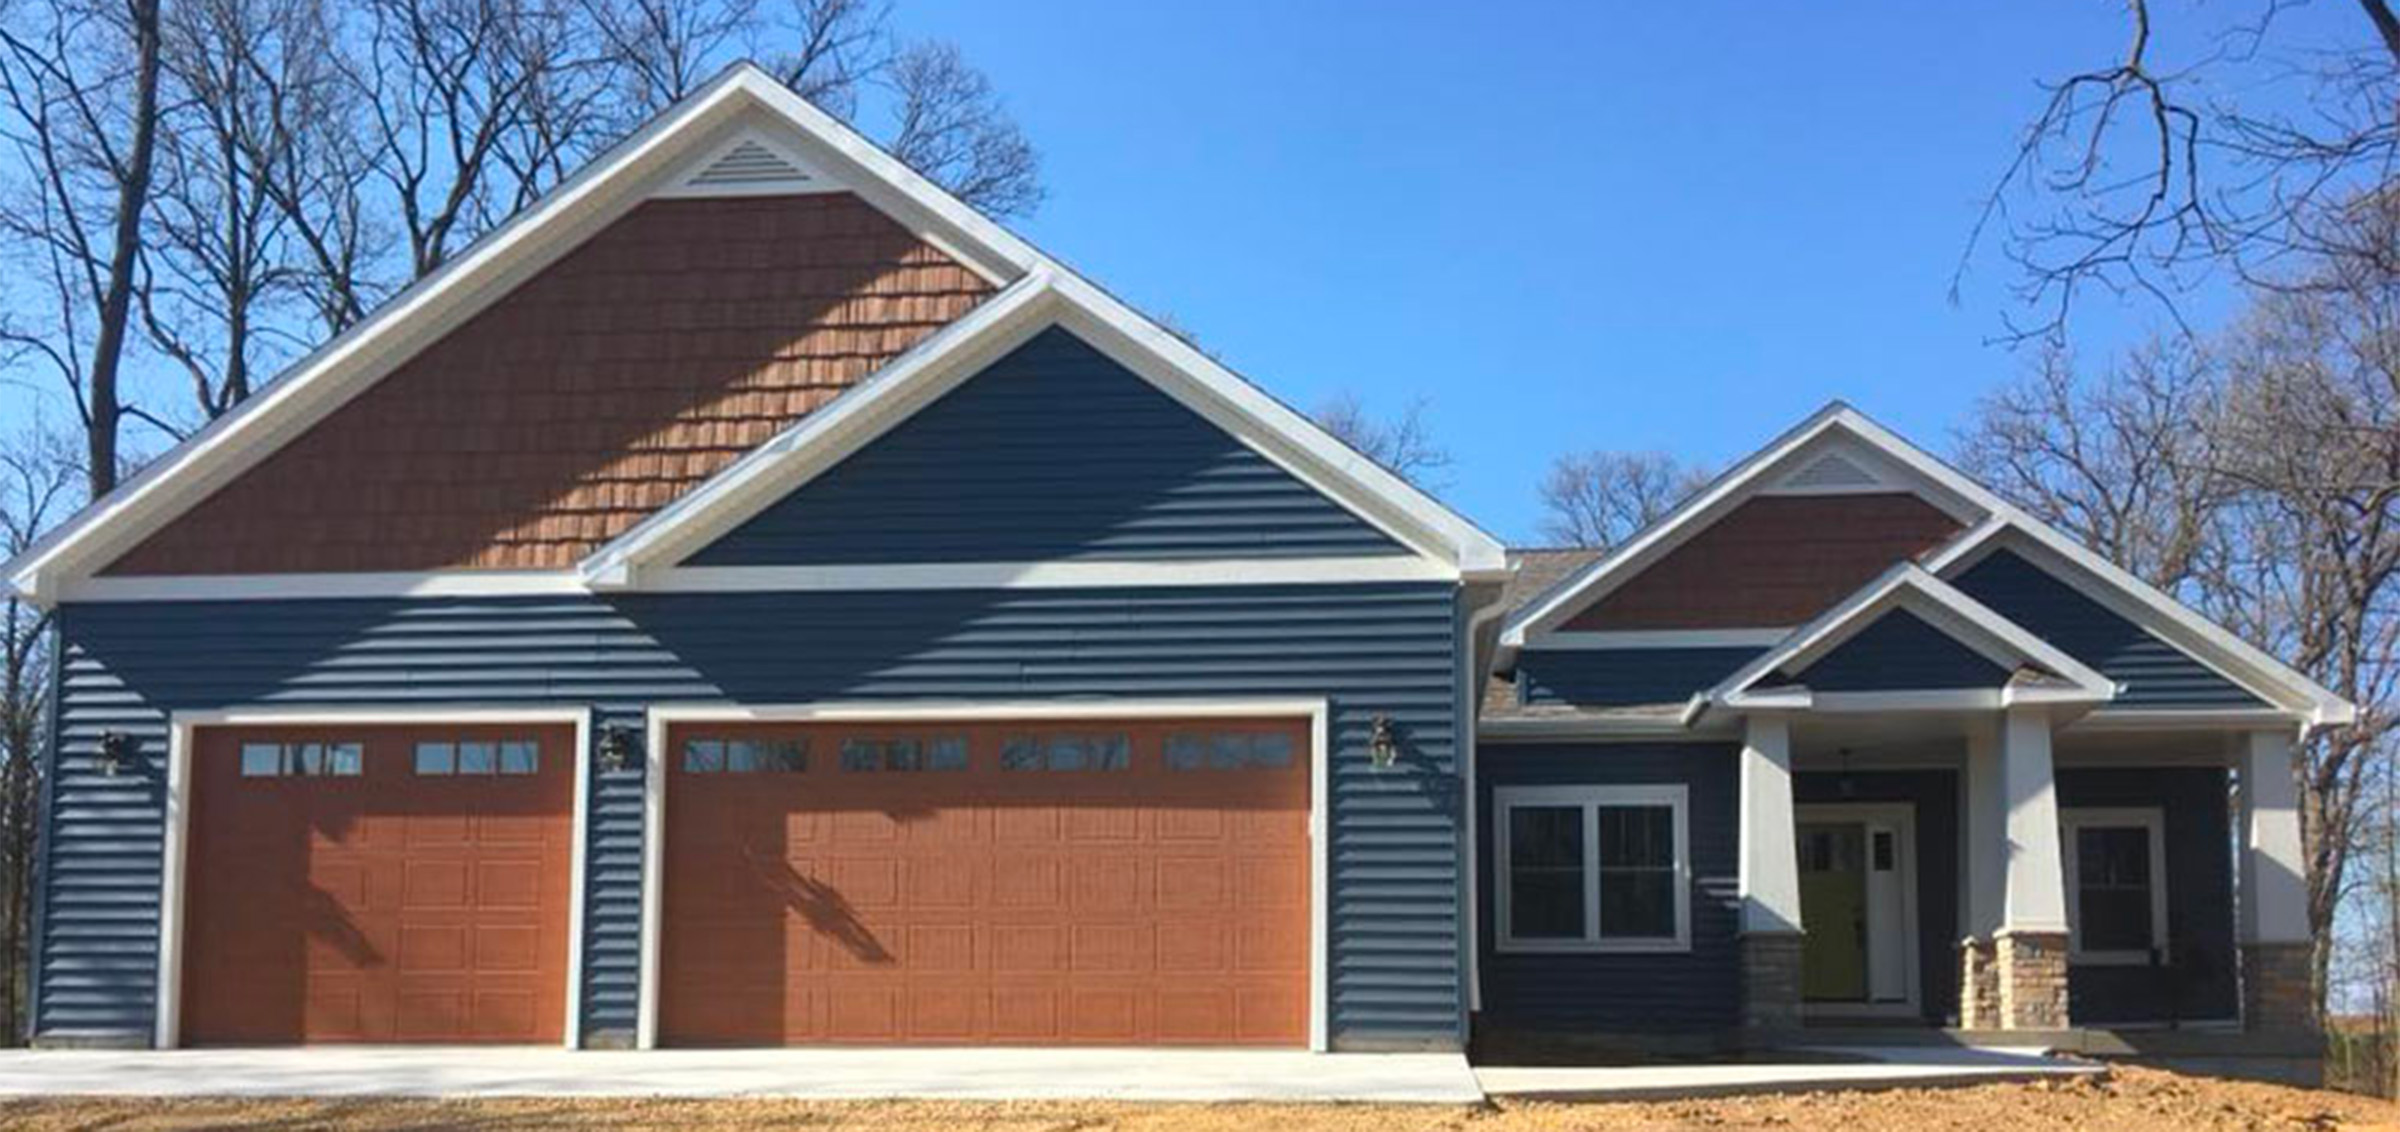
x,y
1910,587
1318,711
1657,639
176,840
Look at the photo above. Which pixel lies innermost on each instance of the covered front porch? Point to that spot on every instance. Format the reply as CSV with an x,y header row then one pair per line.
x,y
2029,868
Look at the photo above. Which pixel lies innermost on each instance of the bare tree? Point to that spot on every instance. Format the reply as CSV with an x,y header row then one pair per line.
x,y
834,45
37,486
660,50
1601,498
949,126
80,86
1403,444
2143,175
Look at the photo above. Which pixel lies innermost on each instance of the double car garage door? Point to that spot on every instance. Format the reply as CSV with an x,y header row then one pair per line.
x,y
1025,883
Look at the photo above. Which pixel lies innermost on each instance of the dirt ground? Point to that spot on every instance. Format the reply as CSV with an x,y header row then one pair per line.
x,y
2136,1100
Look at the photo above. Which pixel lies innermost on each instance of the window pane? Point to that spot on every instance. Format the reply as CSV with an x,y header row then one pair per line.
x,y
262,760
436,758
2112,899
904,754
1271,750
1111,752
703,756
948,753
788,757
745,756
1186,751
1637,903
348,760
1069,752
862,754
307,758
476,757
1545,864
1020,752
1228,751
2113,855
1637,835
520,756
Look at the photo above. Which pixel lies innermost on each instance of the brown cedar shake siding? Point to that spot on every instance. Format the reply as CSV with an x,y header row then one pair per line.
x,y
638,365
1776,560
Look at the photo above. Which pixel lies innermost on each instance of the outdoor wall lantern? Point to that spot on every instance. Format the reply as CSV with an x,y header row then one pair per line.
x,y
1382,747
116,753
617,747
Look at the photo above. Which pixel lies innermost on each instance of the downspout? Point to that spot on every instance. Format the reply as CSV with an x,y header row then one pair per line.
x,y
1474,675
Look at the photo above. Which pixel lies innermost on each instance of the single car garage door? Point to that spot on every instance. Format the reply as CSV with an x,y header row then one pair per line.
x,y
1019,883
378,884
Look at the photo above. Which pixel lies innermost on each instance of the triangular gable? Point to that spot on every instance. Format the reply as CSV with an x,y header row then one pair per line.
x,y
1031,306
1052,452
1906,632
683,145
1793,465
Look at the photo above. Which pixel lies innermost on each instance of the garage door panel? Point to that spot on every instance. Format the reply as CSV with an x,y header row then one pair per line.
x,y
1034,898
379,905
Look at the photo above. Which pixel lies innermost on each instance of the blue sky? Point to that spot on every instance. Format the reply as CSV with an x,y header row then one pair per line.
x,y
1564,225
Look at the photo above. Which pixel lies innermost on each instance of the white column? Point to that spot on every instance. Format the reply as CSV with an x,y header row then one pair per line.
x,y
1987,823
2274,898
1770,867
2035,893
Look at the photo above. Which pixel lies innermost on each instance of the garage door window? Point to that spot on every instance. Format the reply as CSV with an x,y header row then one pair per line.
x,y
943,752
1066,751
745,756
478,757
1229,750
303,760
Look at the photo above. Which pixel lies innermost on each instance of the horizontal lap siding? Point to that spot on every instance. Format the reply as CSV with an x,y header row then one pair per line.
x,y
1385,649
2198,982
1627,992
2154,673
1900,651
1617,677
1054,451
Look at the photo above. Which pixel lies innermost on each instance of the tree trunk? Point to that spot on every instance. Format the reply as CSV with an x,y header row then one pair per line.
x,y
103,411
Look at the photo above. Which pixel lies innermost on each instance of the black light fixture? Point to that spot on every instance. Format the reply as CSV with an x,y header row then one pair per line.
x,y
618,746
1383,748
116,753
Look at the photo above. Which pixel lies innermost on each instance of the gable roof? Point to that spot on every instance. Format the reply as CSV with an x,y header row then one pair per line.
x,y
690,141
1888,462
2039,671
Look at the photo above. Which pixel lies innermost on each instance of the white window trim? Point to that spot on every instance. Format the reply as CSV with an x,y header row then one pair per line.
x,y
1590,799
2148,818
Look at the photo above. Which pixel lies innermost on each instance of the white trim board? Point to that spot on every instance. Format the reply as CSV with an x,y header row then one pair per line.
x,y
1566,641
656,757
175,847
1588,800
2152,820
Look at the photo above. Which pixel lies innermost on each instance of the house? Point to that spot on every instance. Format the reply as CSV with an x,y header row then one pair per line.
x,y
752,599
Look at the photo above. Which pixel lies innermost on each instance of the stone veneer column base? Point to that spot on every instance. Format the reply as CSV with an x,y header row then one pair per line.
x,y
2032,970
1771,981
2275,988
1978,985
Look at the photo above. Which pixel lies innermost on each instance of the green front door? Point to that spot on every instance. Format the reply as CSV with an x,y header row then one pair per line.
x,y
1833,903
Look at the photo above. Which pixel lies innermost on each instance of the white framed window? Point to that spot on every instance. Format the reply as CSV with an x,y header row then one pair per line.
x,y
2116,885
1592,868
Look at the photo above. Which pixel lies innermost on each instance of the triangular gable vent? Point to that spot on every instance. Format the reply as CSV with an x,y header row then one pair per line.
x,y
750,166
1834,473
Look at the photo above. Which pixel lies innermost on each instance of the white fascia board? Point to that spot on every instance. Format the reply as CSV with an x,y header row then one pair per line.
x,y
1942,486
1046,575
1972,623
330,375
942,362
2145,605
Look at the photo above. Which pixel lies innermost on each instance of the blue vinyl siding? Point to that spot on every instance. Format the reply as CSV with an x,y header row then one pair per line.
x,y
1397,947
2154,673
1698,990
1900,651
2197,983
1054,451
1616,677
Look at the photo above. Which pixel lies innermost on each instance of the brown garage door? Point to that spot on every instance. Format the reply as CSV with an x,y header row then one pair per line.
x,y
378,884
1038,883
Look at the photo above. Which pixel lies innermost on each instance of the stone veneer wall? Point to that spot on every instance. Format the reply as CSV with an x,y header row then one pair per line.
x,y
1979,985
1771,981
2032,970
2275,988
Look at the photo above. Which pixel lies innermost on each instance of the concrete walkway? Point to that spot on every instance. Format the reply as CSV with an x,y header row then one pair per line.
x,y
1811,1070
813,1074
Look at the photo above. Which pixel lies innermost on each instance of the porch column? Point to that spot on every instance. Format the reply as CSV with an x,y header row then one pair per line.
x,y
1985,877
1769,877
2274,896
2030,950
